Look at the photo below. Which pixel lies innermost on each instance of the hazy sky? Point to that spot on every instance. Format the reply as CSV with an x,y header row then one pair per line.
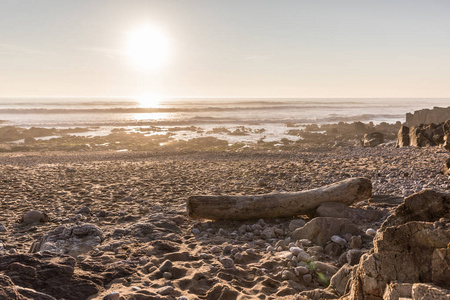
x,y
226,48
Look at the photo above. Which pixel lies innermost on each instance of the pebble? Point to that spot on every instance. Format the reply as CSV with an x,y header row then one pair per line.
x,y
355,242
227,263
222,232
338,240
166,266
183,298
307,278
165,290
297,223
34,216
282,244
262,182
301,270
167,275
195,231
2,228
371,232
227,250
296,250
250,252
303,256
84,210
304,242
268,233
157,208
279,231
315,249
353,256
237,257
112,296
333,250
262,222
135,288
270,249
256,226
215,249
233,251
287,275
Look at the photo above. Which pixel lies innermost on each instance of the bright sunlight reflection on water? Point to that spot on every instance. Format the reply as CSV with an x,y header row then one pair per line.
x,y
150,116
149,101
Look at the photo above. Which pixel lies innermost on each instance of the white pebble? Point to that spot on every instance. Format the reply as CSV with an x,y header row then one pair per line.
x,y
371,232
338,240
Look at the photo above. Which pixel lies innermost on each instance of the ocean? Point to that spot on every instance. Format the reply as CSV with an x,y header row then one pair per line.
x,y
272,115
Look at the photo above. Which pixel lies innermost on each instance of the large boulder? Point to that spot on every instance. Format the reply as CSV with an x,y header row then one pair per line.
x,y
421,136
403,137
412,246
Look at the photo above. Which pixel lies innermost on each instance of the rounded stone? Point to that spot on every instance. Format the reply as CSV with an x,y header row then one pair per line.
x,y
166,266
307,278
34,216
112,296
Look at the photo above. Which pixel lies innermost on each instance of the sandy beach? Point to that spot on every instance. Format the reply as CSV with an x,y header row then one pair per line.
x,y
147,247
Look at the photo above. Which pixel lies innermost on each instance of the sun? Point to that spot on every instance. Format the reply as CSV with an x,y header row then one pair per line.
x,y
147,47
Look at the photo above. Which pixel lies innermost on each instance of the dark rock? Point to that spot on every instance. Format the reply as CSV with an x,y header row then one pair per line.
x,y
32,294
34,216
49,274
353,256
333,250
8,290
373,139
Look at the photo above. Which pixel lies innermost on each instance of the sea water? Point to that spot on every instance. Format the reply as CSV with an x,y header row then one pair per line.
x,y
272,115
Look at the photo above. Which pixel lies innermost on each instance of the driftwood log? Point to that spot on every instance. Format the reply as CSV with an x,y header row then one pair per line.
x,y
349,191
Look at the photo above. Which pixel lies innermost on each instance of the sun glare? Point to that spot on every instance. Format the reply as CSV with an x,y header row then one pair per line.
x,y
147,47
149,101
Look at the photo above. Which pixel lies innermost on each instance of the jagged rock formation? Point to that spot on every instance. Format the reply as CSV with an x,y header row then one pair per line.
x,y
410,258
424,135
412,246
426,116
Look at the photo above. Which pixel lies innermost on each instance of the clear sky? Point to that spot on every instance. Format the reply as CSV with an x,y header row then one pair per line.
x,y
227,48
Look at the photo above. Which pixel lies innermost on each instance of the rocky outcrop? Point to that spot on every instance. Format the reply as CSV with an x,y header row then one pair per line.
x,y
49,275
70,239
423,135
424,116
8,290
412,246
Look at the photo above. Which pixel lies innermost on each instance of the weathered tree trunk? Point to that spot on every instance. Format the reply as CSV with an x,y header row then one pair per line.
x,y
277,205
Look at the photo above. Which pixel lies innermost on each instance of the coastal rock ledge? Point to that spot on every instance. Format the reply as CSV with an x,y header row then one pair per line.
x,y
410,258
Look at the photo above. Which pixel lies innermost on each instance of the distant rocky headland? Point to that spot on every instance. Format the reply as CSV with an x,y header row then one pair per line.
x,y
427,116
